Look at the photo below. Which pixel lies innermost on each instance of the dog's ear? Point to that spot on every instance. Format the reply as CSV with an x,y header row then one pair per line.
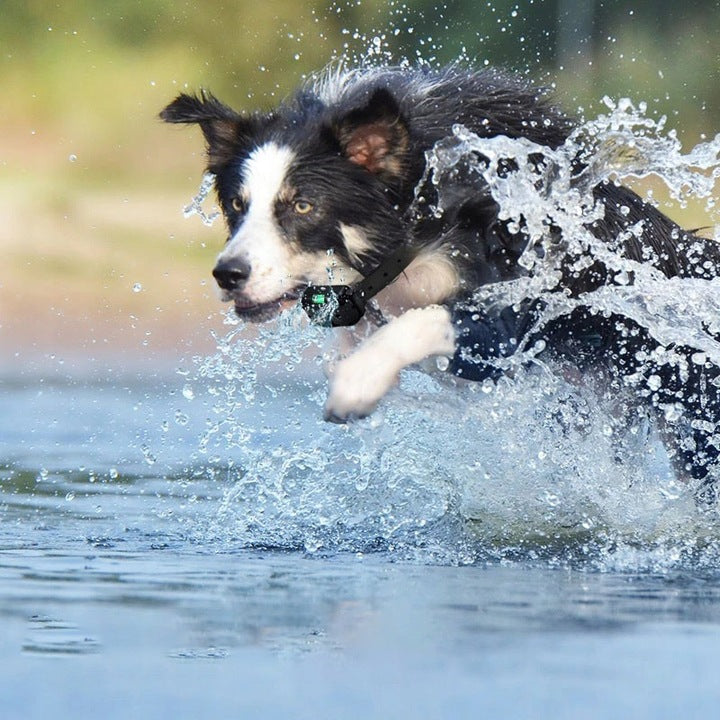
x,y
375,135
224,129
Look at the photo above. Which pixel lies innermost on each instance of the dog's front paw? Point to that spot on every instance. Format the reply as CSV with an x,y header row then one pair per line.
x,y
357,385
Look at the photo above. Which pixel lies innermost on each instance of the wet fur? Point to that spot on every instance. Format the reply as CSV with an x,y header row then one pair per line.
x,y
358,140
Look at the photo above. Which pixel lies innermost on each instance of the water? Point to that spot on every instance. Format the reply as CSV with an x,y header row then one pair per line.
x,y
202,544
620,146
197,542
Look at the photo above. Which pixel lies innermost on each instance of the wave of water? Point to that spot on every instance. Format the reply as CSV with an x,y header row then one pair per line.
x,y
622,145
447,471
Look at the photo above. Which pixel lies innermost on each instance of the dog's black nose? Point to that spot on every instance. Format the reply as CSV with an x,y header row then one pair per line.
x,y
231,274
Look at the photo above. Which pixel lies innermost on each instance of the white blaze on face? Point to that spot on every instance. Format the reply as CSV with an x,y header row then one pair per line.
x,y
259,240
277,266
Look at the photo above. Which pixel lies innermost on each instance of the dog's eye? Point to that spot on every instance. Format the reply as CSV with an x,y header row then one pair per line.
x,y
302,207
238,205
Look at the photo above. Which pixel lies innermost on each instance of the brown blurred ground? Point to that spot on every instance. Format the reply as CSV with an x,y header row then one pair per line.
x,y
95,266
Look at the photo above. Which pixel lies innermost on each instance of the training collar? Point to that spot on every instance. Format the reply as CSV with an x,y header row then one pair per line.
x,y
342,305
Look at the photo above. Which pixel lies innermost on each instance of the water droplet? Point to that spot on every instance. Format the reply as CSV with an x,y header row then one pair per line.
x,y
672,413
137,287
150,459
72,158
551,499
188,392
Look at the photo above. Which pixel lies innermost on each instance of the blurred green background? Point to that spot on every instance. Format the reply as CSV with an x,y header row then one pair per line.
x,y
96,255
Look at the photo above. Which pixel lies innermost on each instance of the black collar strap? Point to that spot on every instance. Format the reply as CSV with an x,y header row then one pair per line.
x,y
342,305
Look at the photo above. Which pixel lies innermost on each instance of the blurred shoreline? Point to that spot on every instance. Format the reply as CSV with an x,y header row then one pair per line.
x,y
102,270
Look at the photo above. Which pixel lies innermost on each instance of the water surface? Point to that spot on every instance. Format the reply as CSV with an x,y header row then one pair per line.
x,y
144,572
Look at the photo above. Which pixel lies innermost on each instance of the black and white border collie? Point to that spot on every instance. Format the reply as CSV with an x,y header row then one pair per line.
x,y
325,184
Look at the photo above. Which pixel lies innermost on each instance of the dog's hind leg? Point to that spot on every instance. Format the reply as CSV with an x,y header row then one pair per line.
x,y
360,380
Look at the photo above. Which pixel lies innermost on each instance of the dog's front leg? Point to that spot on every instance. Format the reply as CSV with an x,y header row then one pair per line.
x,y
360,380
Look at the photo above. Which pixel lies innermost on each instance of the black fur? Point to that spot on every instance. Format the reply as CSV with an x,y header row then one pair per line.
x,y
416,108
360,148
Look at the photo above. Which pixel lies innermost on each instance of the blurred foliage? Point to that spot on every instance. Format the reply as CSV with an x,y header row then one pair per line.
x,y
257,50
91,64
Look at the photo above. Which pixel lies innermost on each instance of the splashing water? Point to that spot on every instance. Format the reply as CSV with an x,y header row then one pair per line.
x,y
196,205
447,471
622,145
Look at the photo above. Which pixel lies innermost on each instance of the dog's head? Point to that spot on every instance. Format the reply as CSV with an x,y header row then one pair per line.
x,y
308,194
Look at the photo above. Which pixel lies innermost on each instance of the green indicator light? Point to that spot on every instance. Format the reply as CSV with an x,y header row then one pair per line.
x,y
318,299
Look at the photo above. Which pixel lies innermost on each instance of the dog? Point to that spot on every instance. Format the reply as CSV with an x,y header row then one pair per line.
x,y
335,179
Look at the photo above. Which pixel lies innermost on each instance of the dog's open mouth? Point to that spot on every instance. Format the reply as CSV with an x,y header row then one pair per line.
x,y
260,312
